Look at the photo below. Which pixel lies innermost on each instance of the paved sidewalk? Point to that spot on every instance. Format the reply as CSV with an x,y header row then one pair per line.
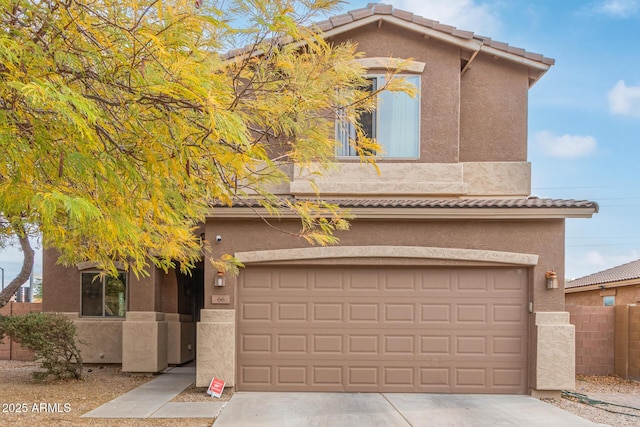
x,y
152,399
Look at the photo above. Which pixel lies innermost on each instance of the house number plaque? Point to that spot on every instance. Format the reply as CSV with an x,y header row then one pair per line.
x,y
221,299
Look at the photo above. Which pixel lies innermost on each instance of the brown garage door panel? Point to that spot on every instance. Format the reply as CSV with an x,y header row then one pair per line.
x,y
371,312
403,344
320,375
383,329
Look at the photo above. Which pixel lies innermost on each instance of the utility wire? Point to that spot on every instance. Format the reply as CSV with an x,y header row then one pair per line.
x,y
602,244
586,187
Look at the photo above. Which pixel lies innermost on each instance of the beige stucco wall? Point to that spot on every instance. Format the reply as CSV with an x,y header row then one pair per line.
x,y
181,346
144,342
542,238
479,117
440,99
493,111
554,340
156,292
216,353
100,340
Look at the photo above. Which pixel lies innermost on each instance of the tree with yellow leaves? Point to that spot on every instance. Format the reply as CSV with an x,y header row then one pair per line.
x,y
122,123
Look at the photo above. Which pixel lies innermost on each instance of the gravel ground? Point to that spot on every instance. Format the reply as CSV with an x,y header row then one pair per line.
x,y
25,402
590,385
22,398
199,394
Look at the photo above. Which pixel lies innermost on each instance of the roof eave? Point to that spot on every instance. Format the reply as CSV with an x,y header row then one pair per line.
x,y
421,213
469,44
473,44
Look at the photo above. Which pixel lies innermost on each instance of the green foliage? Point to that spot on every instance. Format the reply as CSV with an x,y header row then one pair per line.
x,y
122,123
52,337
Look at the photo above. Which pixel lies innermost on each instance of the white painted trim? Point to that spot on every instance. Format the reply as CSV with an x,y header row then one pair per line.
x,y
416,252
389,63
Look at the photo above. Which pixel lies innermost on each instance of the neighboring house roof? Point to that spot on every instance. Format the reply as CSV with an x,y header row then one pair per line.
x,y
625,272
467,40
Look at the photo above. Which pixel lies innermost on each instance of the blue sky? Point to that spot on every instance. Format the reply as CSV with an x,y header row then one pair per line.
x,y
584,114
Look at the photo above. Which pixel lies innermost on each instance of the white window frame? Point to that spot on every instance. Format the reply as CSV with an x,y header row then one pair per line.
x,y
608,298
343,135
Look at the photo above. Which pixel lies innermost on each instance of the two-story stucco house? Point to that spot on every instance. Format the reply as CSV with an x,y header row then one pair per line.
x,y
439,286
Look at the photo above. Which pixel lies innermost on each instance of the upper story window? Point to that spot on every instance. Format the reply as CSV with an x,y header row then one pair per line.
x,y
394,124
609,300
103,296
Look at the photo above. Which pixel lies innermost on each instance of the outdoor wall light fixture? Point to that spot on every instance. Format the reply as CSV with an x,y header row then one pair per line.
x,y
219,280
552,279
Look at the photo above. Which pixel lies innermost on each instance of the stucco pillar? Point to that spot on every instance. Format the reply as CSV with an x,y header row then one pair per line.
x,y
100,339
216,352
556,354
144,342
180,338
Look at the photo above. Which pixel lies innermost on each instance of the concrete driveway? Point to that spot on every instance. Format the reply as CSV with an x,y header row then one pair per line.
x,y
391,409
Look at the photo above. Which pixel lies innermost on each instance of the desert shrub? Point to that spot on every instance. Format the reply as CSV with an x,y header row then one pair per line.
x,y
52,337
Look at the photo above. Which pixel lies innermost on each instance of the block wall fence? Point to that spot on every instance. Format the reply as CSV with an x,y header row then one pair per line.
x,y
9,349
607,340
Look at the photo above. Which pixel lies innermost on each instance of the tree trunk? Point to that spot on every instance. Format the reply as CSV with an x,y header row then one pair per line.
x,y
25,272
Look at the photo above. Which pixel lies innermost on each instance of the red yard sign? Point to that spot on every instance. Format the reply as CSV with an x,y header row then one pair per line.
x,y
216,387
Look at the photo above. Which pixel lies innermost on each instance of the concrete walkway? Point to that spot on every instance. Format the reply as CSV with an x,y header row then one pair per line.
x,y
152,399
391,410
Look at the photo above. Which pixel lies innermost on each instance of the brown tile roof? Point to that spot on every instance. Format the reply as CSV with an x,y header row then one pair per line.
x,y
528,203
385,9
466,203
622,272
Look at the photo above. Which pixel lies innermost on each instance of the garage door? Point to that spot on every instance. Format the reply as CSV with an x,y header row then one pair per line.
x,y
377,329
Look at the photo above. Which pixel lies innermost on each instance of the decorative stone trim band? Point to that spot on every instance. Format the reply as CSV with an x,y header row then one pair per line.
x,y
484,179
475,255
392,64
92,265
